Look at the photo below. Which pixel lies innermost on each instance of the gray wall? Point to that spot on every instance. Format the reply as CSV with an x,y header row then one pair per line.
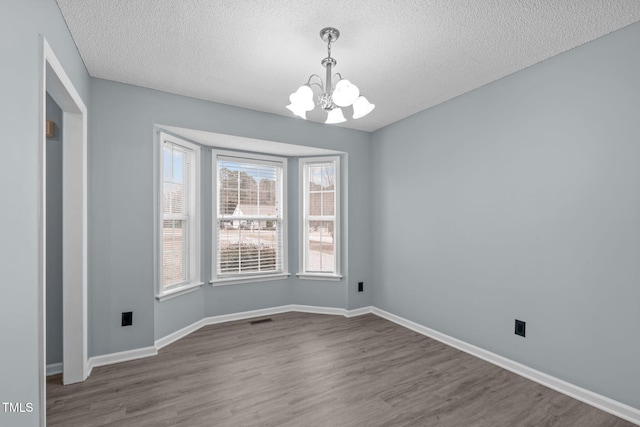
x,y
54,235
521,199
21,23
121,210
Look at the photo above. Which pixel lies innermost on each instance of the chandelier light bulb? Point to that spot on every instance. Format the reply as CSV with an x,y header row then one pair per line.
x,y
303,98
345,93
335,116
362,107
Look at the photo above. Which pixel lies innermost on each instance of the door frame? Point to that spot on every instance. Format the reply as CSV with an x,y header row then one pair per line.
x,y
55,81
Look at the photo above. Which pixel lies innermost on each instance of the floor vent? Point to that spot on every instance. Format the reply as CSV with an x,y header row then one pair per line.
x,y
257,322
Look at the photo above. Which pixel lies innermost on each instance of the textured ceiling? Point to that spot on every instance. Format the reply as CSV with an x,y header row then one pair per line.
x,y
404,55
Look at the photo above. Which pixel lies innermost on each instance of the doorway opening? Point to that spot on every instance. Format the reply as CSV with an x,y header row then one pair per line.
x,y
53,303
73,131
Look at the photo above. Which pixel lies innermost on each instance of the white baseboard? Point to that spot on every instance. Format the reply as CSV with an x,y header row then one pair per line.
x,y
223,318
604,403
331,310
54,369
175,336
359,311
122,356
125,356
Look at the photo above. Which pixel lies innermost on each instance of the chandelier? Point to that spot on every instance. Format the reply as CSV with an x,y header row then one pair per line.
x,y
331,99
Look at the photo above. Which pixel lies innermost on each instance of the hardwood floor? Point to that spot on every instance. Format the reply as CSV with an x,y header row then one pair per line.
x,y
312,370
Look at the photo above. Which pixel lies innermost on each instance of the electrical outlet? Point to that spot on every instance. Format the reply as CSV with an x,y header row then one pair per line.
x,y
520,327
127,318
360,286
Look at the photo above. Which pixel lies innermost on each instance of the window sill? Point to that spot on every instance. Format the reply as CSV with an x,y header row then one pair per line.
x,y
250,279
327,277
185,289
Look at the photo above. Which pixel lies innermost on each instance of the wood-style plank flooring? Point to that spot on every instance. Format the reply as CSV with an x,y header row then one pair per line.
x,y
312,370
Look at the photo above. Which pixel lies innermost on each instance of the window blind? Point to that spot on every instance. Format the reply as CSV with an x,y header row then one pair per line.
x,y
249,217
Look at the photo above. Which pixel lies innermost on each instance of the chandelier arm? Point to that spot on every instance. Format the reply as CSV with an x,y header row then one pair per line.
x,y
336,81
320,85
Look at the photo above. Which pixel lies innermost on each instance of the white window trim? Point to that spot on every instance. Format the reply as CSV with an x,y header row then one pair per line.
x,y
179,290
247,278
320,276
162,293
303,274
